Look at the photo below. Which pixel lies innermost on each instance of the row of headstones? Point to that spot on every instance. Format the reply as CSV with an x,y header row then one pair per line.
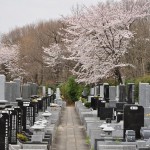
x,y
15,90
121,93
18,118
14,119
133,123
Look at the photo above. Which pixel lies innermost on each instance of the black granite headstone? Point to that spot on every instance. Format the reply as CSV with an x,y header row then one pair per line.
x,y
98,90
106,93
13,120
44,100
120,106
19,123
4,131
94,101
106,113
122,93
130,93
28,110
133,118
40,104
35,104
30,114
100,104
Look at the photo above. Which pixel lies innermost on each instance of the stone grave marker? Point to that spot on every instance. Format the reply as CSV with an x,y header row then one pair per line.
x,y
106,92
92,91
19,118
122,93
18,87
26,91
102,91
112,92
4,131
10,91
100,103
143,94
34,89
98,90
94,101
28,111
130,93
12,126
43,91
2,86
30,88
133,118
117,93
106,113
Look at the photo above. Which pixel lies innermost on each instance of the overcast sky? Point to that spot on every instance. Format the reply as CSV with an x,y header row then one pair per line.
x,y
17,13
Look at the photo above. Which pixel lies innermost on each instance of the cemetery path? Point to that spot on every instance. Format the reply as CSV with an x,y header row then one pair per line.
x,y
70,134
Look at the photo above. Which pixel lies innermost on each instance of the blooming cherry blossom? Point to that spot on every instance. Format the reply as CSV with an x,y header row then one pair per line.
x,y
98,38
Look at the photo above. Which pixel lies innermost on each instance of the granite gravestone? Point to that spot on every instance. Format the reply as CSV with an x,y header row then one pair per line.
x,y
143,99
35,104
102,91
120,110
30,88
18,87
106,92
4,131
112,92
44,104
92,91
12,126
43,91
122,93
40,104
94,101
100,103
2,87
117,93
28,112
133,118
130,93
10,91
106,113
26,91
98,90
34,89
19,119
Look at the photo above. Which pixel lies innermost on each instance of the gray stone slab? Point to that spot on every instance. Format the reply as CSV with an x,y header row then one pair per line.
x,y
10,91
2,86
94,134
143,94
117,147
93,125
34,146
26,91
112,92
18,87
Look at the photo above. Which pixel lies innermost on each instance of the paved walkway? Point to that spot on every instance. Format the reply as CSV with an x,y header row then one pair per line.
x,y
70,134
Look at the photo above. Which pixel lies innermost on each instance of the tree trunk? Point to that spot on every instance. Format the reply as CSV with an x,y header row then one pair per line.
x,y
118,75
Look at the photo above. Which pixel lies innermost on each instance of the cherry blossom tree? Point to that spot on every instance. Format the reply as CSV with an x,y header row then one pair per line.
x,y
9,57
98,38
52,55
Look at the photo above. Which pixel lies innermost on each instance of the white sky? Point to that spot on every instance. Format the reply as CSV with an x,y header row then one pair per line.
x,y
17,13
